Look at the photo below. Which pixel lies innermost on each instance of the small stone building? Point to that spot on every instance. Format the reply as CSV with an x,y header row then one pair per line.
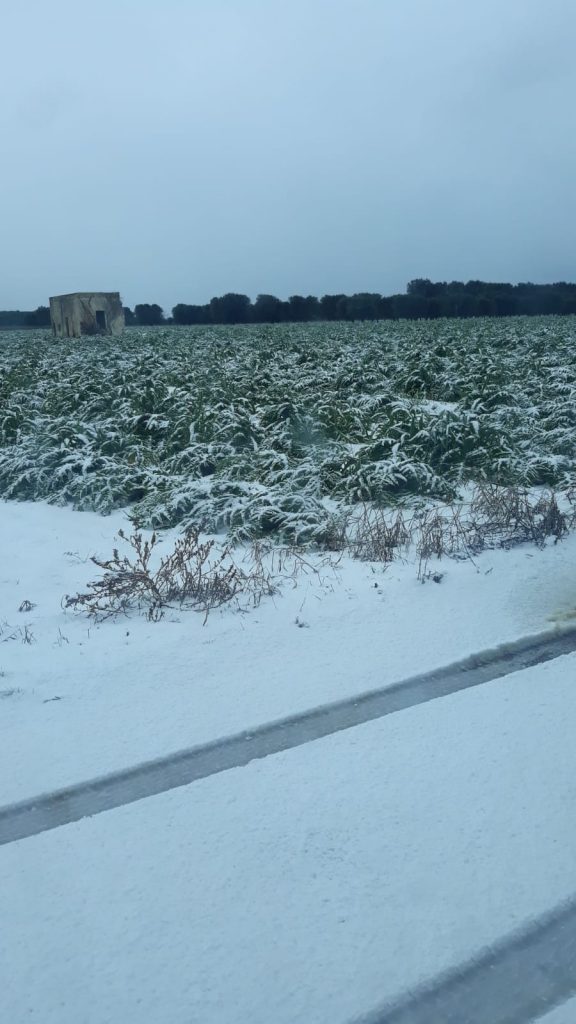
x,y
86,313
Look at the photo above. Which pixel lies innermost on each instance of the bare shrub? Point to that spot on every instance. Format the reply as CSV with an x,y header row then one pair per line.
x,y
506,516
495,517
334,536
434,534
192,575
197,575
379,536
440,532
286,564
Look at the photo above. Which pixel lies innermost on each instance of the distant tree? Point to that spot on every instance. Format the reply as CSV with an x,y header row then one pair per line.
x,y
363,306
421,286
39,318
409,307
302,309
475,287
184,314
386,308
332,307
434,308
231,308
148,314
13,319
268,309
505,304
485,306
465,305
129,318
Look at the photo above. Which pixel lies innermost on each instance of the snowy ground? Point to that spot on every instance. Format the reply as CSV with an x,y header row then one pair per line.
x,y
82,699
311,886
314,885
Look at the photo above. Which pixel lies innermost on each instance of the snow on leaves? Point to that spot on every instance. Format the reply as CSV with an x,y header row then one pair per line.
x,y
270,431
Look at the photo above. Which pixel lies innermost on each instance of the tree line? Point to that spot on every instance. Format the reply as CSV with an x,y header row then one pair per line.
x,y
16,319
423,299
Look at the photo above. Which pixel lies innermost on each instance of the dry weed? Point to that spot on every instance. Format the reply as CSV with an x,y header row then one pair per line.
x,y
380,536
495,517
192,575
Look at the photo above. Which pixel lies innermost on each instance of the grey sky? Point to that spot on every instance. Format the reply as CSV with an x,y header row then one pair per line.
x,y
178,149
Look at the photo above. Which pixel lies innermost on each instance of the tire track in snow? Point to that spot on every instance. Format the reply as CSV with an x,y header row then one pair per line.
x,y
51,810
519,979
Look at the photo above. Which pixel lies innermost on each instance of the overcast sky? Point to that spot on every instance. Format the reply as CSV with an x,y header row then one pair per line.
x,y
179,149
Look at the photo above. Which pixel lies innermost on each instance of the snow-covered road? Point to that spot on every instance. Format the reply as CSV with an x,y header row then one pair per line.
x,y
116,789
314,885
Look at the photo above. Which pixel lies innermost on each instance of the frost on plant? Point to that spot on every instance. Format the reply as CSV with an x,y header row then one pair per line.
x,y
278,432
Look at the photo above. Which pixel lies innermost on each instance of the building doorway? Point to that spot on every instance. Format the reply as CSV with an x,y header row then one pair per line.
x,y
101,320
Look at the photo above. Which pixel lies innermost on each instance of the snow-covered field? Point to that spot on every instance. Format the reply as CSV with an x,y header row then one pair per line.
x,y
276,430
324,881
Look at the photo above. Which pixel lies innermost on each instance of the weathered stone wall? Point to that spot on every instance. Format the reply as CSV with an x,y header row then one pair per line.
x,y
86,313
